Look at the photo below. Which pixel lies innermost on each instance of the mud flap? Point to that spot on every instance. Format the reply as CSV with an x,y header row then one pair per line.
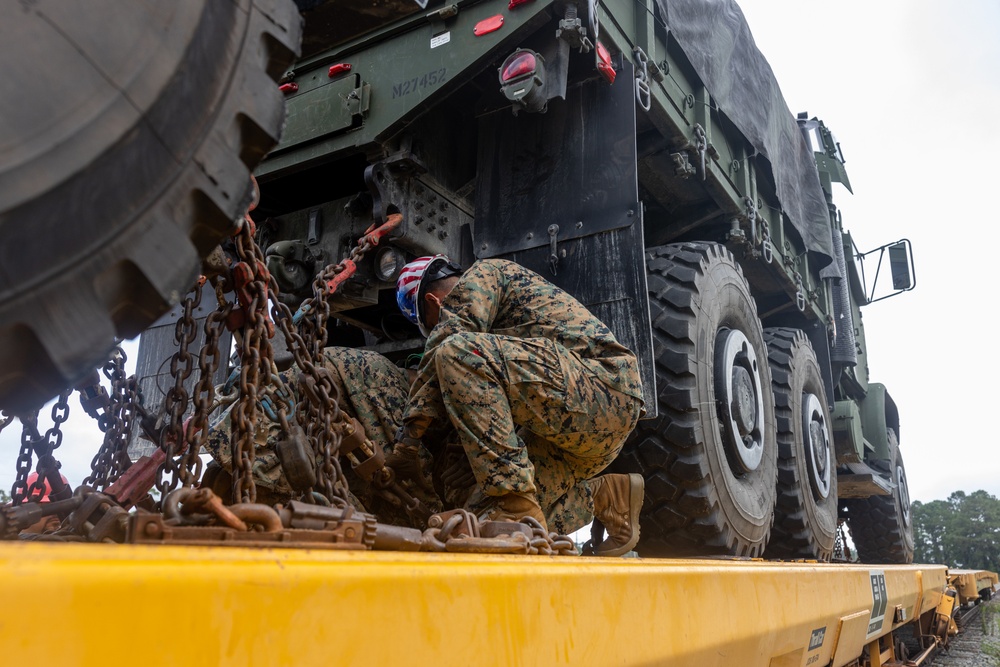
x,y
558,193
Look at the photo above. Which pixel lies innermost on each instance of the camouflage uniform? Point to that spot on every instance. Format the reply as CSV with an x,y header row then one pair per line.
x,y
373,390
540,392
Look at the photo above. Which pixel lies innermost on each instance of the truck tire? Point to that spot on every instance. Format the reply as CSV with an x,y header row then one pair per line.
x,y
707,490
880,525
125,160
805,514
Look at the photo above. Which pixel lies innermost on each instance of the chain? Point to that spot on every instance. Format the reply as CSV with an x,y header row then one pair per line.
x,y
49,481
319,412
204,392
325,424
131,399
841,551
176,401
701,146
256,356
319,406
548,543
29,434
60,413
333,275
460,531
112,458
32,442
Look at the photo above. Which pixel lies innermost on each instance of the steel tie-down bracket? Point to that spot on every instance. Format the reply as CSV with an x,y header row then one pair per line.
x,y
553,248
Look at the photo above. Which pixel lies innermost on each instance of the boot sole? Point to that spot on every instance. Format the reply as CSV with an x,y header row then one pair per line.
x,y
636,490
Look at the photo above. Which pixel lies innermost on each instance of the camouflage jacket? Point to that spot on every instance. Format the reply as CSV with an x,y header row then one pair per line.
x,y
501,297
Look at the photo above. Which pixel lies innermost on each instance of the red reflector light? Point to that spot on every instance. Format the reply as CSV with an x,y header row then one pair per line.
x,y
520,65
516,3
289,88
339,68
486,26
604,65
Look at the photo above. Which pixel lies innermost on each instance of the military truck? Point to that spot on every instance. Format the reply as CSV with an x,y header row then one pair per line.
x,y
640,155
637,153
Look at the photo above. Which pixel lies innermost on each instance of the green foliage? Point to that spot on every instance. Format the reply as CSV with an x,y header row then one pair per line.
x,y
989,646
992,652
962,532
4,497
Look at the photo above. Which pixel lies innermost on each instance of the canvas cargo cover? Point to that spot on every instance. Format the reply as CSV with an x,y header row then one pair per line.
x,y
716,39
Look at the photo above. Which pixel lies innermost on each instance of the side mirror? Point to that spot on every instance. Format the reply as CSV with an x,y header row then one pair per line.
x,y
899,265
900,258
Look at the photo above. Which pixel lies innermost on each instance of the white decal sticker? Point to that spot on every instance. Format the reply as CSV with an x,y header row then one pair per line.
x,y
438,40
880,601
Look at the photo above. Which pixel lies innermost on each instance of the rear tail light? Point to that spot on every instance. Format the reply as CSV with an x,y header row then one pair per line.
x,y
516,3
522,63
604,65
522,80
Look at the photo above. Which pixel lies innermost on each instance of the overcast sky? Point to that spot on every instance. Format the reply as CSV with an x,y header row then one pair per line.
x,y
911,88
912,91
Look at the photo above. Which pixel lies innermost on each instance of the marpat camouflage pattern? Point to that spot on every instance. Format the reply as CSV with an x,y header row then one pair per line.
x,y
541,393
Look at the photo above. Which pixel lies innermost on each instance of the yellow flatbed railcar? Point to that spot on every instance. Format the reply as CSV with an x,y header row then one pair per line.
x,y
84,604
973,585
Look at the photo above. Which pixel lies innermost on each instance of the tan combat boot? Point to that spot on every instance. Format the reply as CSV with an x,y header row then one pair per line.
x,y
617,502
514,507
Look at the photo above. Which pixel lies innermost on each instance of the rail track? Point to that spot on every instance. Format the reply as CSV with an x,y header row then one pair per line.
x,y
978,641
978,644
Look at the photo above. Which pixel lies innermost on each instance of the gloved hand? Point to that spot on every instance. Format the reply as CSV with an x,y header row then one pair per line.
x,y
457,473
405,462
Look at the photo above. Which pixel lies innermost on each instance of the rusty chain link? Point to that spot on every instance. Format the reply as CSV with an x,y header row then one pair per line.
x,y
461,532
319,406
203,398
29,434
548,543
176,400
32,442
112,457
130,403
256,357
49,480
841,550
324,423
60,413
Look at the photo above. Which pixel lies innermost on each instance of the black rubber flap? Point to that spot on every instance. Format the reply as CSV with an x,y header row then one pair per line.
x,y
573,166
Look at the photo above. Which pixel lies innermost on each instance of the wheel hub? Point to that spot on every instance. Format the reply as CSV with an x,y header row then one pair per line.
x,y
816,434
904,494
739,395
743,400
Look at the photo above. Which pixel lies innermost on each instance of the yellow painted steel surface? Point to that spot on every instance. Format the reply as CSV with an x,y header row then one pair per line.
x,y
79,604
968,583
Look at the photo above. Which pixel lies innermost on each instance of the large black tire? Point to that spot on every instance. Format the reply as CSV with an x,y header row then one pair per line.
x,y
805,515
881,526
127,140
705,493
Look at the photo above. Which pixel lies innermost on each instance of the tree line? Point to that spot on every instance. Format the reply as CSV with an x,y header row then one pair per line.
x,y
961,532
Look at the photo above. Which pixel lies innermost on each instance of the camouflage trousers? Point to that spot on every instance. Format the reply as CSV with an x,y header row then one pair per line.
x,y
373,390
532,420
